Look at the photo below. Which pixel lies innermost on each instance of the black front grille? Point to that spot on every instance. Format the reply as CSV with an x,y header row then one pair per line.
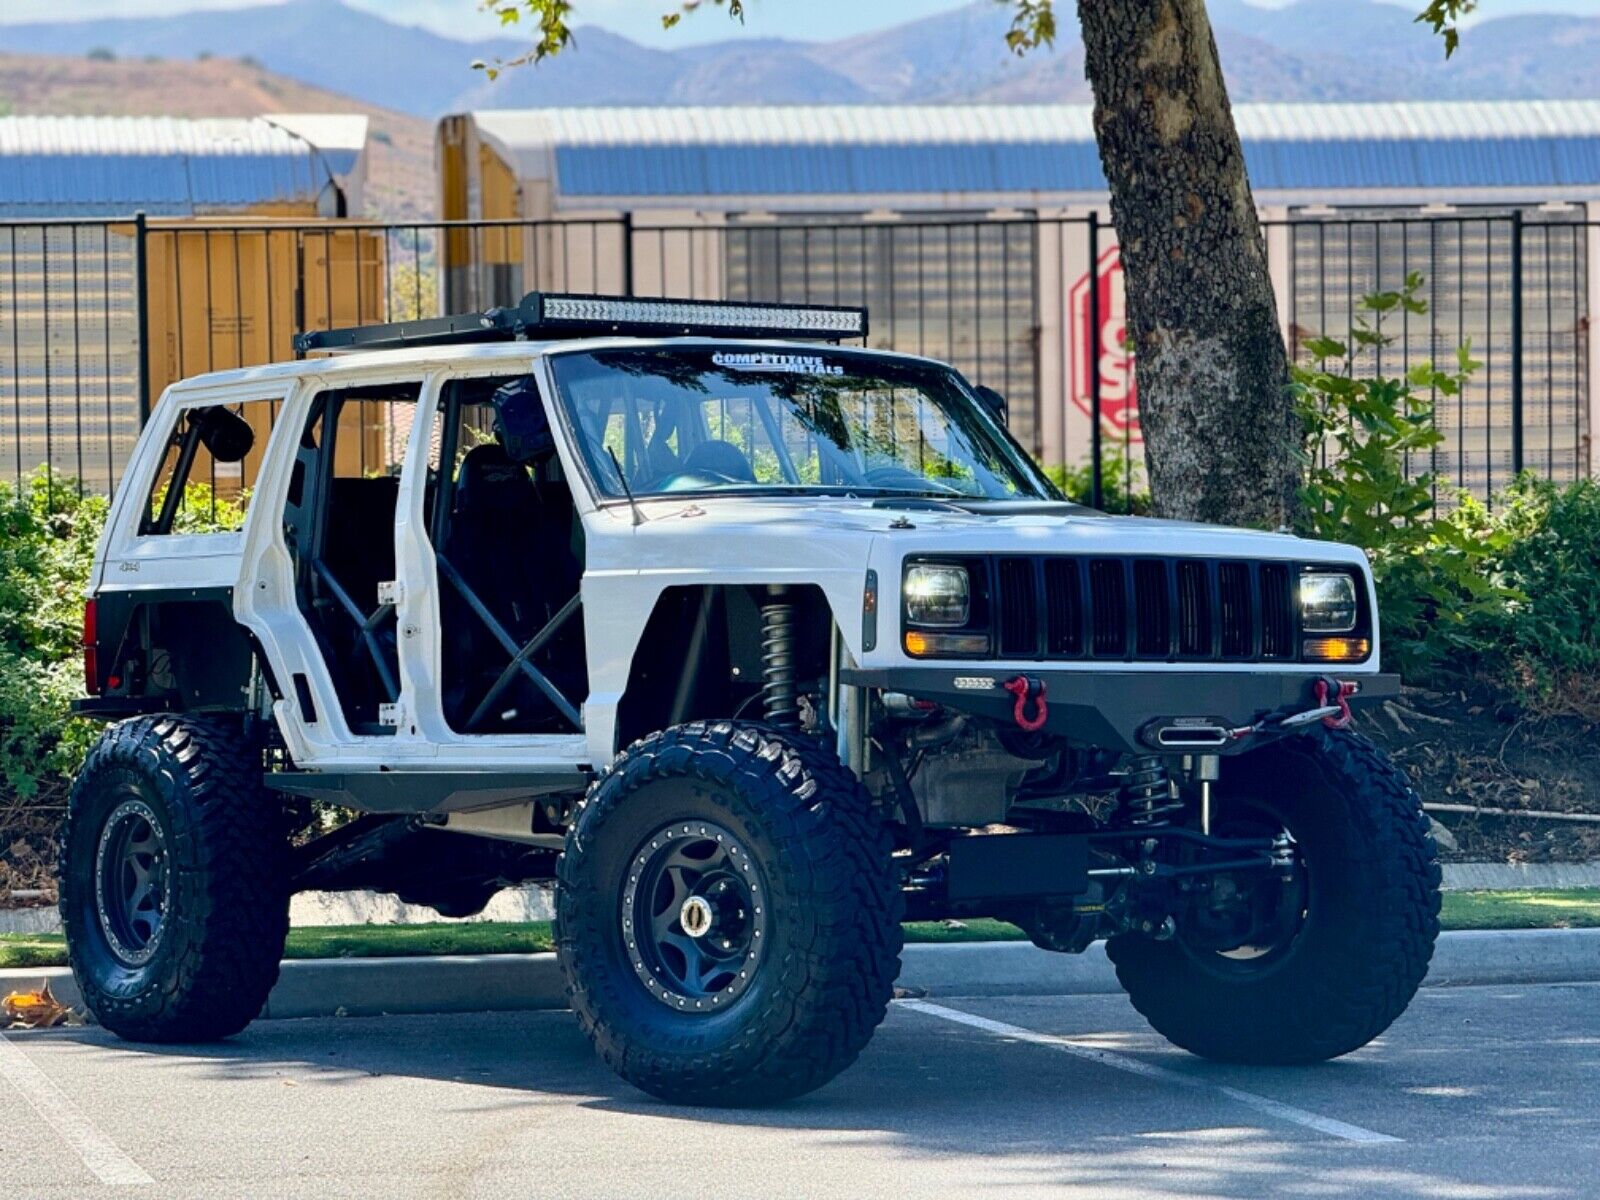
x,y
1108,607
1238,612
1019,615
1277,612
1057,607
1063,597
1195,634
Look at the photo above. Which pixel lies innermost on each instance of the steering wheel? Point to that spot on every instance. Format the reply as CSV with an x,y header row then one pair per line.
x,y
685,481
895,476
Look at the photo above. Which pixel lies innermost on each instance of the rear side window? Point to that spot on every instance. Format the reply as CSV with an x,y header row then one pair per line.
x,y
209,468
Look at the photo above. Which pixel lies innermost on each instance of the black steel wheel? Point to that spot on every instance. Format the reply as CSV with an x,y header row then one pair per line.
x,y
1314,966
174,880
728,917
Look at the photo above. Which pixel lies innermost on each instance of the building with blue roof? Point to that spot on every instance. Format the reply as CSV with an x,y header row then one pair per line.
x,y
305,165
72,308
798,159
966,229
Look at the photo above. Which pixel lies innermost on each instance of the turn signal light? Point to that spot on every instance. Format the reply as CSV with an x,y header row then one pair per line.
x,y
934,645
1336,649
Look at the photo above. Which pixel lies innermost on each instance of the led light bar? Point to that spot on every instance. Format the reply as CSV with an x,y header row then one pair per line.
x,y
546,315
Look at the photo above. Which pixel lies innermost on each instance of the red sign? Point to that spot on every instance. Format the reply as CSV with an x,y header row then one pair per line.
x,y
1119,394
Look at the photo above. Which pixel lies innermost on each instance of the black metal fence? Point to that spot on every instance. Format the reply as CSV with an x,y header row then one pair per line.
x,y
98,316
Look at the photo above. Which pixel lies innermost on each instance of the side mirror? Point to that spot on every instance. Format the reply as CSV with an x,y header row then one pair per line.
x,y
993,401
223,432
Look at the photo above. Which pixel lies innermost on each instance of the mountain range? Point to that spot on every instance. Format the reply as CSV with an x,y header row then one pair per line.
x,y
1308,50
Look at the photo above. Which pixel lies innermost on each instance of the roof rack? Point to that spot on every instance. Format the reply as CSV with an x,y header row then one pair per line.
x,y
552,315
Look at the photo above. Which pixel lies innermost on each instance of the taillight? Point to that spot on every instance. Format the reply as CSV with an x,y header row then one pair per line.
x,y
91,653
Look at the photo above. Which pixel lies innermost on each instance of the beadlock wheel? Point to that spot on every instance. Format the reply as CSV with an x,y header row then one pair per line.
x,y
130,881
728,915
174,879
693,916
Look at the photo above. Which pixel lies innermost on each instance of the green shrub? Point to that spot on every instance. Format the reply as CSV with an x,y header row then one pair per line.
x,y
1545,638
1433,572
47,541
1122,485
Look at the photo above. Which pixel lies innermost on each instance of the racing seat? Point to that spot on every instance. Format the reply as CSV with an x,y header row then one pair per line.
x,y
514,577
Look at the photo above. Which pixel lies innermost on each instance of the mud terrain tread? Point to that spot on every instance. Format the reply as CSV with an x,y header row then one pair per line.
x,y
1363,976
833,849
229,914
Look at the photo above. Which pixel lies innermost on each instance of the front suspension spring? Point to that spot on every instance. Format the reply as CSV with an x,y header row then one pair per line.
x,y
1148,798
780,699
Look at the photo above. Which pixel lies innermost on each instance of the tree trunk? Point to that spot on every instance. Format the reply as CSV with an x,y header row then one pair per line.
x,y
1221,437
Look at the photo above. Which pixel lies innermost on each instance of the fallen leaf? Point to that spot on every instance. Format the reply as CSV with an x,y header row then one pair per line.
x,y
33,1010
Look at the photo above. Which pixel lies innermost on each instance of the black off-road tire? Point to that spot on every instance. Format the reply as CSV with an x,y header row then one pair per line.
x,y
1370,919
832,919
226,911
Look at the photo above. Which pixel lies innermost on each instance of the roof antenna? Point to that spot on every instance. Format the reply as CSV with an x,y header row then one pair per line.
x,y
638,517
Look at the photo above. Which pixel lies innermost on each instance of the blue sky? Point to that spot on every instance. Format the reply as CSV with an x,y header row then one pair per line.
x,y
640,19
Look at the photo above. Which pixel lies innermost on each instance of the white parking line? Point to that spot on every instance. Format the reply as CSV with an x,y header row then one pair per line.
x,y
1134,1066
98,1152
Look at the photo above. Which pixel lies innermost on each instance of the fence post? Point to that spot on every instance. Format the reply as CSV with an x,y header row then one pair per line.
x,y
1516,342
627,253
1092,349
141,298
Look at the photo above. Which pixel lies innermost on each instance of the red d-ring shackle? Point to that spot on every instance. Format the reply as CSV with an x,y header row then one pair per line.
x,y
1331,691
1025,689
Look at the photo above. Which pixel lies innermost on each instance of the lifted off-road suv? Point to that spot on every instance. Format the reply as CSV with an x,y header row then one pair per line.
x,y
755,644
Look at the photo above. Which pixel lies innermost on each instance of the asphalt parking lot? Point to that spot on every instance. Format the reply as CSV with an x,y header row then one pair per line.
x,y
1476,1092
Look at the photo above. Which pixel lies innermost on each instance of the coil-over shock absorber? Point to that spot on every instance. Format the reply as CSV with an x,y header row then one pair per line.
x,y
780,699
1148,797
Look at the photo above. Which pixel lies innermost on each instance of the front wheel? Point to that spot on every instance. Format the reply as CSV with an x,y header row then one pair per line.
x,y
728,920
1336,955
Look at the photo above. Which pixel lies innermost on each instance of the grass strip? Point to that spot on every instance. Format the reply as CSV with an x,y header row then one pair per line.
x,y
1576,908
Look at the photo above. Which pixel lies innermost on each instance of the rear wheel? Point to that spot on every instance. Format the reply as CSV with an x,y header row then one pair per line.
x,y
174,891
728,917
1331,957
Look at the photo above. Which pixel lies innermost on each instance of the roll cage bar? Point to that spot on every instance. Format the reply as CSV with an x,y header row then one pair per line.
x,y
520,657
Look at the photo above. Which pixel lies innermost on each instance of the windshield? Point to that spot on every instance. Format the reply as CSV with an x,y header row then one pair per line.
x,y
709,419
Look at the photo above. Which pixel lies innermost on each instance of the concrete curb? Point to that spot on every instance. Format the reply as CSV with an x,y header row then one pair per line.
x,y
356,987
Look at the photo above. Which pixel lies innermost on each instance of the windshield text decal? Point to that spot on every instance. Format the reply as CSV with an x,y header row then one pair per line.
x,y
789,364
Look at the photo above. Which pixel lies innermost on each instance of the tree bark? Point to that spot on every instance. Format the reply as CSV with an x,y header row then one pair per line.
x,y
1221,436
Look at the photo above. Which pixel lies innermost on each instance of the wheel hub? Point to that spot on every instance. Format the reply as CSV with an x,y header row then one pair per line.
x,y
130,882
693,916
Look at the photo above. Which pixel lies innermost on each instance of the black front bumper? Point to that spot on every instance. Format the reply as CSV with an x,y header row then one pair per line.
x,y
1119,710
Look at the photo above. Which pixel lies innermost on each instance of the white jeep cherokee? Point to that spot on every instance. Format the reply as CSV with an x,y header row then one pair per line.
x,y
756,645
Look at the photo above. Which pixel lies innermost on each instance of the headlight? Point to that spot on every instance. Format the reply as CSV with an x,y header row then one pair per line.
x,y
937,595
1328,602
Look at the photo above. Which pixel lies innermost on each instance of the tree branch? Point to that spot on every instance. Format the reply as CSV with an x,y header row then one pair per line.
x,y
1442,16
1032,25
